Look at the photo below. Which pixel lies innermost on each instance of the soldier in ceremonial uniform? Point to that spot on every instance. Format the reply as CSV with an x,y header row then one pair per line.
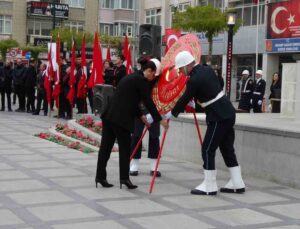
x,y
246,92
259,92
203,86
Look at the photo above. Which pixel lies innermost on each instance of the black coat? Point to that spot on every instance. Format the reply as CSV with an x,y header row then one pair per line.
x,y
275,90
6,78
246,94
109,76
203,85
30,78
123,107
119,73
19,75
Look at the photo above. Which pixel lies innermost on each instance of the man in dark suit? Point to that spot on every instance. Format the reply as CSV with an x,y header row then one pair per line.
x,y
6,85
118,121
30,83
259,92
119,70
204,86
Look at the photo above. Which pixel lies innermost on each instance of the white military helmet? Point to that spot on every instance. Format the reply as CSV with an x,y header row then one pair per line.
x,y
245,72
183,58
157,64
259,72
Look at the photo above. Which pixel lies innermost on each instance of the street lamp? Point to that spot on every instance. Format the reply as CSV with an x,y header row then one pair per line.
x,y
231,17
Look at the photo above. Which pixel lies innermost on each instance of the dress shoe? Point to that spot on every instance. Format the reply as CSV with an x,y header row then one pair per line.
x,y
158,174
134,173
104,183
10,110
199,192
2,109
128,184
35,113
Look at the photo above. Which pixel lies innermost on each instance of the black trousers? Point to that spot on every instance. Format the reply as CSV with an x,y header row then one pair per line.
x,y
90,97
41,97
81,105
219,134
110,133
153,145
20,91
30,94
255,106
7,92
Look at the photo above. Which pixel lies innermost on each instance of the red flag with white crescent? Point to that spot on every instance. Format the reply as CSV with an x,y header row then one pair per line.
x,y
48,76
171,36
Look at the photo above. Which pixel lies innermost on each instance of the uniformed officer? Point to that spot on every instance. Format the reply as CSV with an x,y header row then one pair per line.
x,y
203,85
259,92
246,92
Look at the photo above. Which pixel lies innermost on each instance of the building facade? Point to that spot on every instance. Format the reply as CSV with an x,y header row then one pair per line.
x,y
32,21
249,43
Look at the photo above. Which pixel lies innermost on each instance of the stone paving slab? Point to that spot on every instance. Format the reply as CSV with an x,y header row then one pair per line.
x,y
44,185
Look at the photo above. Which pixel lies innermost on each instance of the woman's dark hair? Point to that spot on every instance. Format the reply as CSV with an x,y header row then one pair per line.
x,y
122,57
145,64
279,78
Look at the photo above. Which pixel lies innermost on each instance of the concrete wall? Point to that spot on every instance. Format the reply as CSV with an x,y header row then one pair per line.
x,y
19,21
262,152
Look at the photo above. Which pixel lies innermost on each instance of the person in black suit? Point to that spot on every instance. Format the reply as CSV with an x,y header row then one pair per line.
x,y
6,85
118,121
258,93
119,70
275,95
204,86
30,84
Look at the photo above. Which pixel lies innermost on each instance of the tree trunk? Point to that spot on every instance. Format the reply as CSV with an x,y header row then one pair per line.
x,y
209,56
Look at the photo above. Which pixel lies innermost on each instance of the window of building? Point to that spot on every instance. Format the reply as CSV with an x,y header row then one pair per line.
x,y
248,14
120,29
39,28
153,16
126,4
214,3
106,29
75,3
5,24
74,25
108,4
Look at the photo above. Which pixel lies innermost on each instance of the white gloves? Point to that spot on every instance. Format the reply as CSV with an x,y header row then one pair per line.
x,y
192,103
167,115
259,102
251,101
149,118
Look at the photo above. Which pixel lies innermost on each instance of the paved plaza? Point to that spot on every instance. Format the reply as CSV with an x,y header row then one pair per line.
x,y
45,185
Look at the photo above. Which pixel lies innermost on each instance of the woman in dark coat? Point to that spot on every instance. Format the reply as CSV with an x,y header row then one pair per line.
x,y
275,95
118,121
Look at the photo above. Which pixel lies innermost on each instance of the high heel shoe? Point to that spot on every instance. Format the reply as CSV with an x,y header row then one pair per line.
x,y
104,183
128,184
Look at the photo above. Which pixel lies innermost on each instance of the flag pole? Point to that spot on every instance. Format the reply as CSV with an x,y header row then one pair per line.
x,y
138,144
158,160
197,127
257,23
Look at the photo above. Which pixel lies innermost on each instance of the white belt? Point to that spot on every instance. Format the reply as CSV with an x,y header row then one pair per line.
x,y
247,91
220,95
257,93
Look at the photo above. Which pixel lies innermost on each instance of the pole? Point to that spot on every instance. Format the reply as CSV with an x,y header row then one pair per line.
x,y
158,160
229,60
53,12
198,128
138,144
257,22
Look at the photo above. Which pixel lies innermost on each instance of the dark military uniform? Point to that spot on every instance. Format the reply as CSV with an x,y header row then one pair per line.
x,y
258,95
203,85
6,86
246,95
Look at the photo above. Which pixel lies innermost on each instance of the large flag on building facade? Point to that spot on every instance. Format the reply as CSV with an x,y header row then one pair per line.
x,y
97,74
171,36
82,87
284,20
72,79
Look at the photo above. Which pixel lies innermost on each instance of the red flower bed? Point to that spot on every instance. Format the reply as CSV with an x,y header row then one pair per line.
x,y
62,141
90,123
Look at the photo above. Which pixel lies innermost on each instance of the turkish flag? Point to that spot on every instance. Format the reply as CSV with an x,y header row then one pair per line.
x,y
283,20
82,87
72,79
48,76
108,58
171,36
